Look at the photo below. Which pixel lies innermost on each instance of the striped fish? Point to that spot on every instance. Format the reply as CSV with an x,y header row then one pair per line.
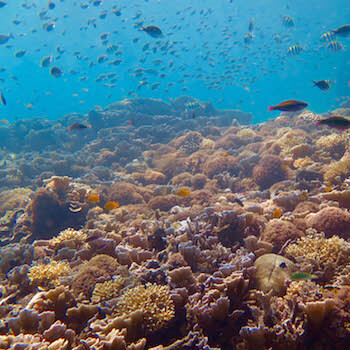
x,y
302,276
111,48
335,46
294,50
288,21
327,37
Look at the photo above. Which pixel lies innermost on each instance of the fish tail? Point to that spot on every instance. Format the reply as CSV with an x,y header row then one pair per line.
x,y
333,31
271,108
11,36
315,84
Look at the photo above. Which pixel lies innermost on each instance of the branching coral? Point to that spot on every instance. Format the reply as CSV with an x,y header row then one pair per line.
x,y
69,237
321,250
48,274
154,301
107,290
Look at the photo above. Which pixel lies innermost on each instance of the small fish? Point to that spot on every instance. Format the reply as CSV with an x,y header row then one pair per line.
x,y
302,276
20,53
294,50
94,198
2,99
190,106
51,5
5,38
327,37
56,72
288,21
153,31
78,126
183,192
251,25
110,205
289,106
97,2
49,27
3,121
343,31
322,84
338,122
46,61
335,46
2,4
238,201
248,38
277,213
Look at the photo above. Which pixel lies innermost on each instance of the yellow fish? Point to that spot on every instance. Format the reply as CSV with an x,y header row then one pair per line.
x,y
111,205
183,192
94,198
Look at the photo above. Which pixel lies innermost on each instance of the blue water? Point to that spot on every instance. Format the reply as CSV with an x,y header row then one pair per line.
x,y
207,49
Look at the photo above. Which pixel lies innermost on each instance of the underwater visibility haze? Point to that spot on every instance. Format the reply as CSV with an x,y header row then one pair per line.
x,y
174,175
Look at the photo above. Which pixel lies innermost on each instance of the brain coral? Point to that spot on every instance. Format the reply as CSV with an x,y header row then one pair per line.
x,y
154,301
278,232
269,171
331,221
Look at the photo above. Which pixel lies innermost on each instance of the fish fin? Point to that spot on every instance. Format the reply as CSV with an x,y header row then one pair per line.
x,y
11,36
271,108
331,30
315,83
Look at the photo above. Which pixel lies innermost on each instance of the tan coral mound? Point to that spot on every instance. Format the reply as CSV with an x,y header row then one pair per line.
x,y
331,221
278,232
154,301
333,143
323,250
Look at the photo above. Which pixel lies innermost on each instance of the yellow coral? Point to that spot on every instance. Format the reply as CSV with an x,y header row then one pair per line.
x,y
74,237
107,290
154,301
48,274
318,248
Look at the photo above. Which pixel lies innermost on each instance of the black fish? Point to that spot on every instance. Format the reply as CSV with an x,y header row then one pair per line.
x,y
322,84
153,31
2,99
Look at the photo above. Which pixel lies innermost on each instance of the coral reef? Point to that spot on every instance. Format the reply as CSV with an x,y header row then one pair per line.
x,y
211,222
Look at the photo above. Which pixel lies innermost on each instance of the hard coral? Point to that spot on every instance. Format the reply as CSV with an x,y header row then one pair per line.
x,y
271,273
218,163
107,290
154,301
69,237
125,193
48,274
331,221
278,232
269,171
321,250
340,168
89,273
